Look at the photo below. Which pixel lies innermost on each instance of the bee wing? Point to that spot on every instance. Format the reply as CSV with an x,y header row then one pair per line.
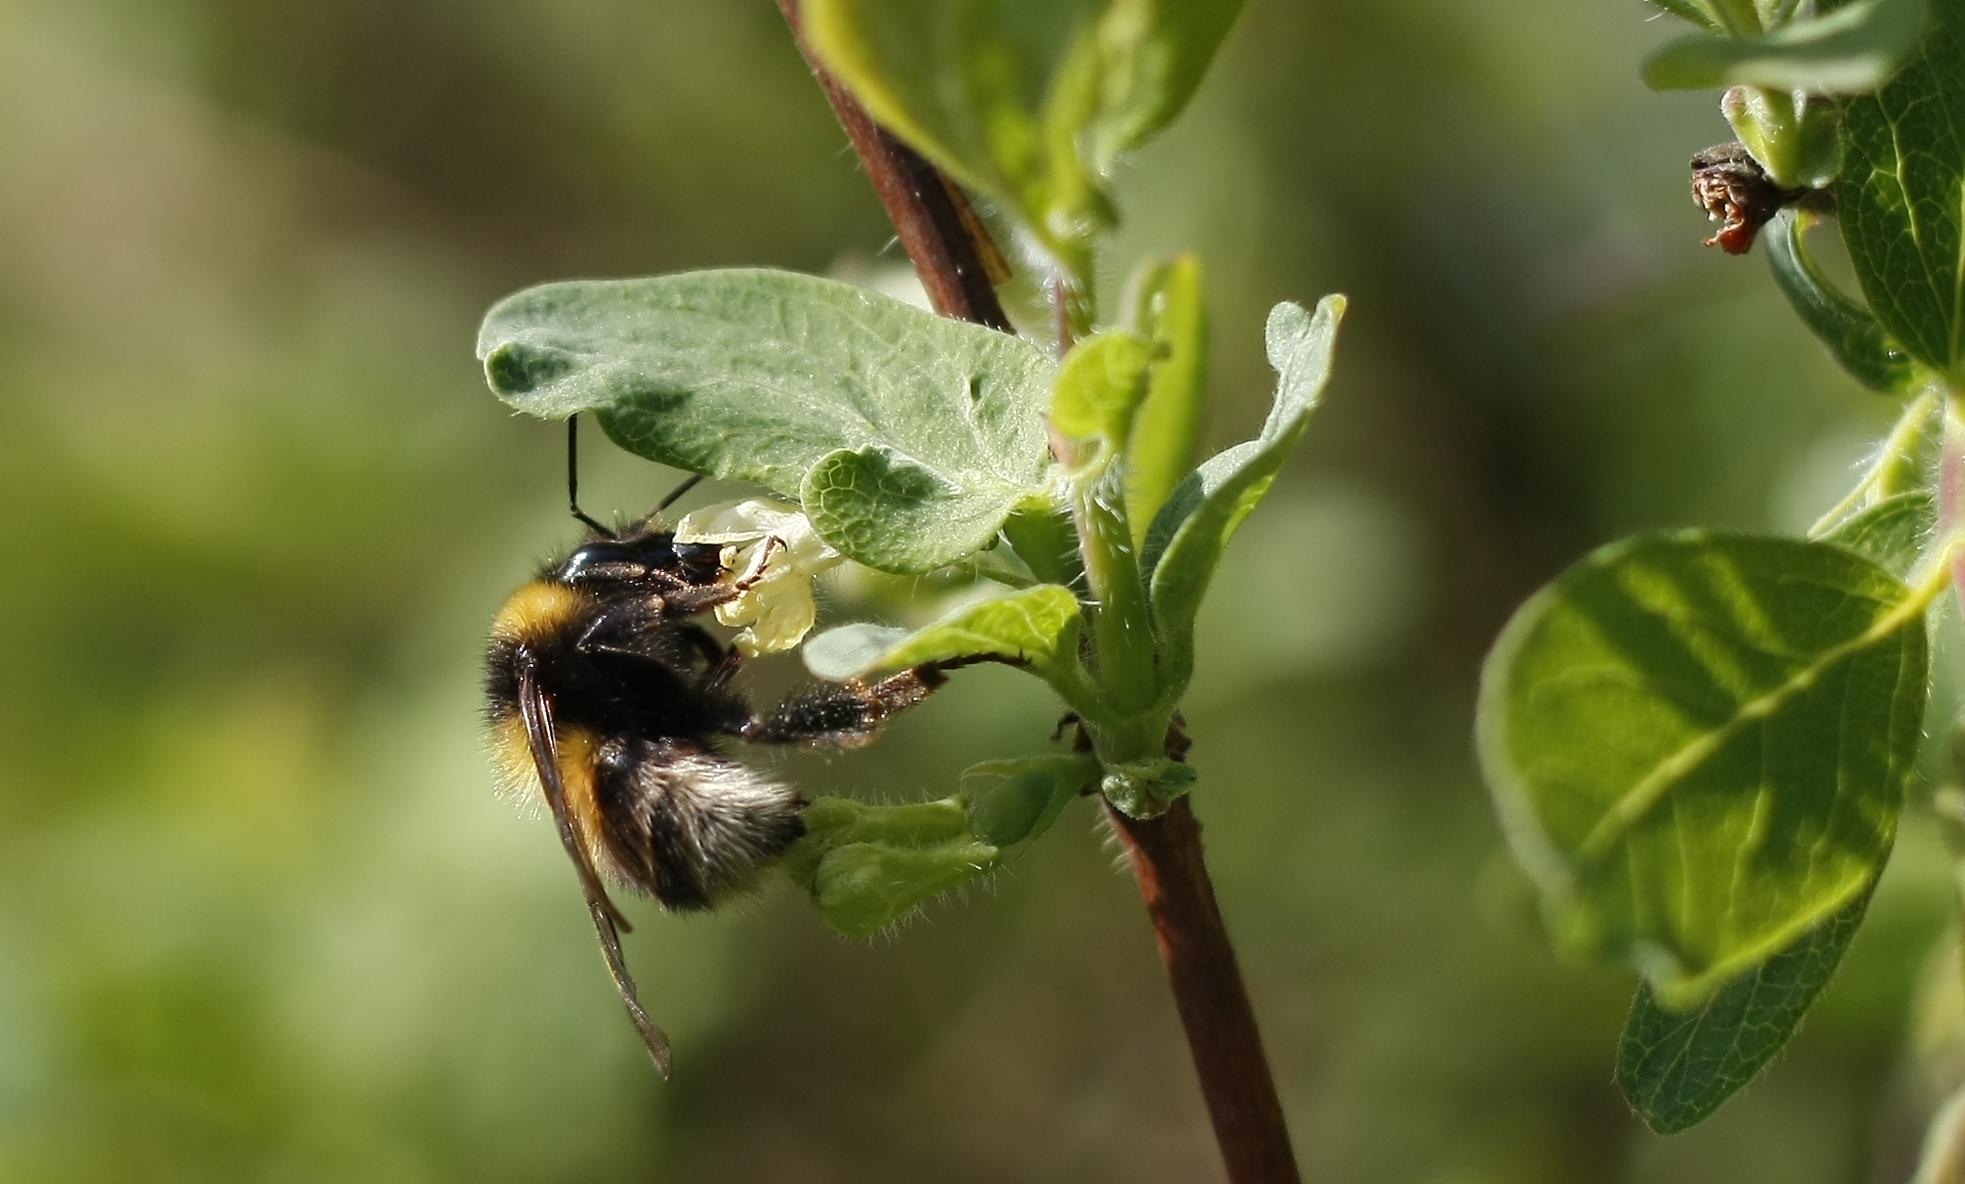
x,y
536,710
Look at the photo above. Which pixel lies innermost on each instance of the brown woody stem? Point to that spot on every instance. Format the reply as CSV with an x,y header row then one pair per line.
x,y
928,213
1165,855
953,257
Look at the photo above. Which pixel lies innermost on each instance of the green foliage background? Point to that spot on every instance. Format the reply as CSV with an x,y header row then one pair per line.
x,y
261,916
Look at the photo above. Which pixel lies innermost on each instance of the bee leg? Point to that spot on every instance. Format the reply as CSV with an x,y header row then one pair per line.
x,y
690,599
841,715
721,668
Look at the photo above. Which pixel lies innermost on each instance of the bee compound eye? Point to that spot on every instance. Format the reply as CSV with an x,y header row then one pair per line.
x,y
601,561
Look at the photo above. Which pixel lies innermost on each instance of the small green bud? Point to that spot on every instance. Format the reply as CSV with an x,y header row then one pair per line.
x,y
862,888
1144,789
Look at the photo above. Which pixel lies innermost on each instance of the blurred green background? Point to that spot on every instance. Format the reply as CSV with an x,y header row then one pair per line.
x,y
261,915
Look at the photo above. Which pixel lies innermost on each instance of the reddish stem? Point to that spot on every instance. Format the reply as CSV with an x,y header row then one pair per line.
x,y
930,216
1165,854
952,253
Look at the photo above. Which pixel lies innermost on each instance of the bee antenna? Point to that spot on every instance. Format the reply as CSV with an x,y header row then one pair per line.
x,y
573,478
676,493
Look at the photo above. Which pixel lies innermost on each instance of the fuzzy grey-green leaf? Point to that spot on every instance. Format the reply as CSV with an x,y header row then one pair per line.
x,y
1676,1068
760,375
1100,386
1186,540
892,512
1700,743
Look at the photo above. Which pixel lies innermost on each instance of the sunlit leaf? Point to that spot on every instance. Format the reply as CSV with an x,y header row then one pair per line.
x,y
1035,627
1893,534
1100,386
1846,51
1190,533
1901,196
1699,745
1676,1068
920,434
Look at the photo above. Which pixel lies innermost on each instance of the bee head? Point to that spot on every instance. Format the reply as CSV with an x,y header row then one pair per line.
x,y
635,558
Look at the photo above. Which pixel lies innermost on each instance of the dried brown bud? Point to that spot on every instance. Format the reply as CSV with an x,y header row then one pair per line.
x,y
1735,191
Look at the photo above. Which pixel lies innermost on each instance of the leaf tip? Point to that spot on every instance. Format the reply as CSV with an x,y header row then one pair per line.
x,y
1290,325
516,368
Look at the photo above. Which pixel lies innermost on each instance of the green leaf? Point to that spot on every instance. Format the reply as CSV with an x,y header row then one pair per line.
x,y
1893,534
1160,451
1699,745
1036,627
868,866
919,433
1901,196
1155,53
1676,1068
890,511
1100,387
1896,466
1018,799
1849,50
1187,538
1029,101
862,888
1792,134
1850,331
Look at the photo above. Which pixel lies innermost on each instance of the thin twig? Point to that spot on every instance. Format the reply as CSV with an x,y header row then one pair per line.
x,y
953,259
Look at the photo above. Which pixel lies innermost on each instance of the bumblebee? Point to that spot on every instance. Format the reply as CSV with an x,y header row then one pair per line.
x,y
606,697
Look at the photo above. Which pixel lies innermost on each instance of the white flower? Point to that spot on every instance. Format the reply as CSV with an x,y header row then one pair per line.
x,y
773,546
